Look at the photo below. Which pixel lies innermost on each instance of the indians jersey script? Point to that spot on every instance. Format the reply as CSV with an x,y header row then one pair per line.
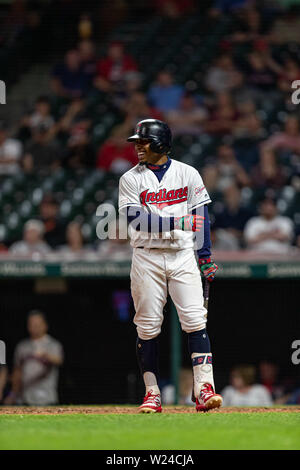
x,y
180,190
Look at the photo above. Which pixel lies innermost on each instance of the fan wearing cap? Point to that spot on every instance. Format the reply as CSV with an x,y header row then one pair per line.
x,y
32,242
165,202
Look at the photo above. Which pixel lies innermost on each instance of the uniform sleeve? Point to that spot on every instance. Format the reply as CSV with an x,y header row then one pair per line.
x,y
203,240
197,193
128,192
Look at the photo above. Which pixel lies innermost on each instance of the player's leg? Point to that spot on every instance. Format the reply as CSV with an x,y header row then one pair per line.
x,y
149,292
185,287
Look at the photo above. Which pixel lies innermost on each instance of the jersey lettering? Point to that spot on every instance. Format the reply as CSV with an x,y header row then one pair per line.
x,y
178,194
163,198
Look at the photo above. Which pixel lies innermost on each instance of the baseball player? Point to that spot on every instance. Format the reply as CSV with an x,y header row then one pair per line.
x,y
165,203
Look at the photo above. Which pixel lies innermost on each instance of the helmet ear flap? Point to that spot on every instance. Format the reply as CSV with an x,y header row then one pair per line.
x,y
157,147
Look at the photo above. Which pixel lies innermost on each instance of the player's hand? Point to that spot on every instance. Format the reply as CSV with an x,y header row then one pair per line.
x,y
190,222
208,268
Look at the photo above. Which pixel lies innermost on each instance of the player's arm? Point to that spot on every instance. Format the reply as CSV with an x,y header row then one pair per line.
x,y
140,220
207,266
197,201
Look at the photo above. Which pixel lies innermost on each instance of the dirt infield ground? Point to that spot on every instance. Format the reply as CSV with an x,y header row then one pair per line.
x,y
96,410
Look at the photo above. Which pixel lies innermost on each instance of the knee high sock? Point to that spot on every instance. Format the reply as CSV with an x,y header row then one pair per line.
x,y
147,356
199,348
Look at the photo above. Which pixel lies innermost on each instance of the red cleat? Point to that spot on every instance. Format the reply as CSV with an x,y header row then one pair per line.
x,y
208,399
151,404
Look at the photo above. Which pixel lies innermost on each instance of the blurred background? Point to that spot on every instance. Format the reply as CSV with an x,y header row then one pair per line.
x,y
79,76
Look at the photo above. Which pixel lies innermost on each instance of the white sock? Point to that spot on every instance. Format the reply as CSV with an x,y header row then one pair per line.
x,y
202,371
151,383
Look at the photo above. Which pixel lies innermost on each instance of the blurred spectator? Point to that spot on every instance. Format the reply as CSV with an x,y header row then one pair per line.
x,y
76,119
33,242
36,363
288,139
132,84
268,374
116,154
248,134
223,116
262,72
269,232
88,59
243,391
137,109
54,228
268,173
112,68
80,152
225,172
116,247
133,81
40,152
249,126
10,152
164,94
279,156
188,118
73,130
69,79
74,238
230,219
249,28
42,114
223,75
40,118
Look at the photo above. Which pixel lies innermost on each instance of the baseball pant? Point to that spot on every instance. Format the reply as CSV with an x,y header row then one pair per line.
x,y
154,272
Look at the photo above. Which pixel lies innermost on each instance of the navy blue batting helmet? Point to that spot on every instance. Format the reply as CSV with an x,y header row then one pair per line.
x,y
157,132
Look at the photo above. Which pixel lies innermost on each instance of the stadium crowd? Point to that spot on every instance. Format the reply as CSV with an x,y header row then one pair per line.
x,y
242,104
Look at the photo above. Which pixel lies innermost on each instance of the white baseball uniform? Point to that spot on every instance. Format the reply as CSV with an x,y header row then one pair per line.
x,y
164,261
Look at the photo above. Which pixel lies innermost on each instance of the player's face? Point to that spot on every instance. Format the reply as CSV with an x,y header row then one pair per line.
x,y
143,151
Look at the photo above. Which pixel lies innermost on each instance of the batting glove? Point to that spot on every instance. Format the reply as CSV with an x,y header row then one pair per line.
x,y
191,223
208,268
